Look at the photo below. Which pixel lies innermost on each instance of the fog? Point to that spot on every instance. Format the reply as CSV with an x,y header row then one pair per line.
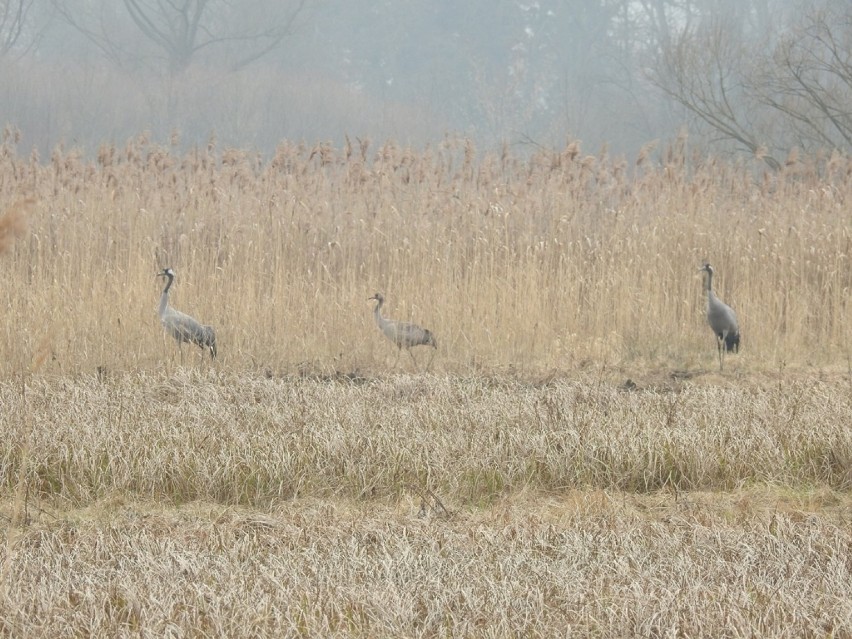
x,y
614,74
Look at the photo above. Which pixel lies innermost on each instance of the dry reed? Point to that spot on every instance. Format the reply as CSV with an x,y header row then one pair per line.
x,y
428,506
525,486
238,439
585,565
553,262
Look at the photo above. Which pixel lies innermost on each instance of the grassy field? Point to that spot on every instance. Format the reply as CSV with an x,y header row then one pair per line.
x,y
571,461
552,263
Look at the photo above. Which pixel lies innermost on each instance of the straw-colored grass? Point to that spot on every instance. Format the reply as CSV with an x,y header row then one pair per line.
x,y
571,461
236,439
428,506
550,263
587,564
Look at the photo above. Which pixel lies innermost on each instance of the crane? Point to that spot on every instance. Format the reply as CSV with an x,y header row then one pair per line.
x,y
403,334
180,325
721,318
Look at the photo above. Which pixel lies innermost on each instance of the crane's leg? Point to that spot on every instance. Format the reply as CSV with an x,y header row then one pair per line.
x,y
720,345
431,357
413,360
396,359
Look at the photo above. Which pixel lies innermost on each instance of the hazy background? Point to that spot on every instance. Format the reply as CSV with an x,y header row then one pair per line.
x,y
754,76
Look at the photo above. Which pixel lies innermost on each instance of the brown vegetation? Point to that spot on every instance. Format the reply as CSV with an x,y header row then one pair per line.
x,y
586,565
427,506
572,461
13,223
549,263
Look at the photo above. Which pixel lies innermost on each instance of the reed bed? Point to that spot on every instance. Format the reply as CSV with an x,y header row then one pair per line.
x,y
570,462
585,565
552,262
254,441
202,503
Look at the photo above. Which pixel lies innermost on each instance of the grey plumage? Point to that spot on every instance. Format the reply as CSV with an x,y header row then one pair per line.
x,y
403,334
721,318
180,325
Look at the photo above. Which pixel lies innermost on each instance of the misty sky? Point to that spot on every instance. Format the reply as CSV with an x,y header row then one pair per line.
x,y
252,73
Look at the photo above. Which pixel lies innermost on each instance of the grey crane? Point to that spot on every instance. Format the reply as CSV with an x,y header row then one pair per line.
x,y
403,334
180,325
721,318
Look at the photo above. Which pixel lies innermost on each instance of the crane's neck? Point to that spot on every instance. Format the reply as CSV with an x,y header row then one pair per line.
x,y
377,313
164,298
709,283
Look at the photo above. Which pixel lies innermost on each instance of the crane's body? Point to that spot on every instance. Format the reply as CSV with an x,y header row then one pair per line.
x,y
181,326
403,334
722,319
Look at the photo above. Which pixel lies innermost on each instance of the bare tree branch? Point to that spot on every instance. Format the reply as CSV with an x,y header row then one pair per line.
x,y
760,94
275,36
701,71
809,79
13,19
95,27
180,29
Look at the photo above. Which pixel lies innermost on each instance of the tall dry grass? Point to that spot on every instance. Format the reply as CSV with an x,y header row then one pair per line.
x,y
586,566
224,504
318,501
242,439
555,261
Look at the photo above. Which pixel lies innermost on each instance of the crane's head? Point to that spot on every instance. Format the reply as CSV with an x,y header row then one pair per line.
x,y
707,268
166,272
378,297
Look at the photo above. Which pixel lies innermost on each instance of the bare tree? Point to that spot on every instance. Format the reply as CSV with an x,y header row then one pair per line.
x,y
179,31
766,93
706,71
13,23
808,79
99,22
